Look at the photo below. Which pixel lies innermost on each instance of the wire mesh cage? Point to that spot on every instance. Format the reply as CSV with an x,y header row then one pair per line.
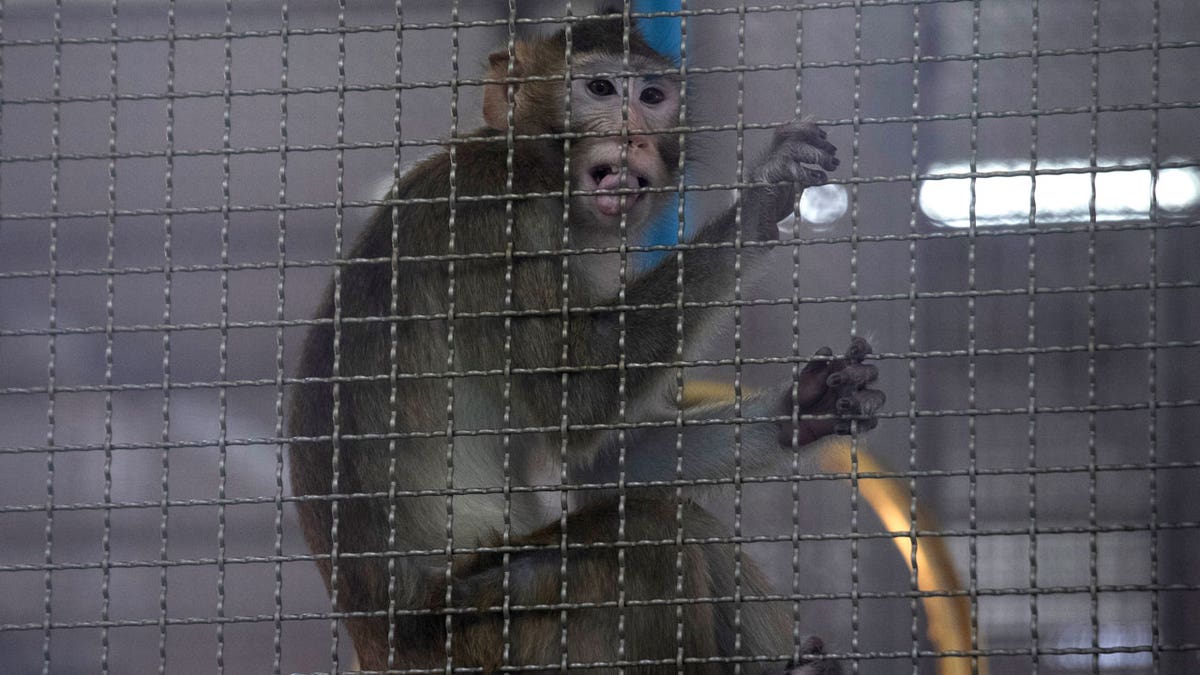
x,y
1013,226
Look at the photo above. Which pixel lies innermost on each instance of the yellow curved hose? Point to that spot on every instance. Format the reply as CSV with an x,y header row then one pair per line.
x,y
948,618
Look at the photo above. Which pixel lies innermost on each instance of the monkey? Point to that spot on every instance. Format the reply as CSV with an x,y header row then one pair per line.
x,y
465,423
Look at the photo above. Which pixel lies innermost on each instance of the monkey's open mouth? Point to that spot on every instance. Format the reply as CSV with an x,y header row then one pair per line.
x,y
608,177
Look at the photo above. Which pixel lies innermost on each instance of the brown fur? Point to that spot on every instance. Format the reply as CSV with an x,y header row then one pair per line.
x,y
411,577
650,574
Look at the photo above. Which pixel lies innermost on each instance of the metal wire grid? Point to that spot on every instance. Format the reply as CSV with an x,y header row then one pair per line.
x,y
1168,647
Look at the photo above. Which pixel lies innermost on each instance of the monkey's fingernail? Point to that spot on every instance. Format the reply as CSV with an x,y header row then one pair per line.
x,y
834,163
844,406
835,380
824,351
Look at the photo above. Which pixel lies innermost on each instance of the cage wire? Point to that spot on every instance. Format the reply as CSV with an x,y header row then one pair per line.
x,y
1014,226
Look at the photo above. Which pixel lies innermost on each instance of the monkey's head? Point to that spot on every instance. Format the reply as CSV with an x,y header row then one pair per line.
x,y
622,100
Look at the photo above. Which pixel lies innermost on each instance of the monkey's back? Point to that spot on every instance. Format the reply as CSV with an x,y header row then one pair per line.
x,y
385,346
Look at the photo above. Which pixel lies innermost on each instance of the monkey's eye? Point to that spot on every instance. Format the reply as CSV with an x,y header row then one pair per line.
x,y
601,87
652,96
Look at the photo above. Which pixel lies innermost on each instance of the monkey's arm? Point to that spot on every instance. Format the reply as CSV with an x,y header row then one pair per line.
x,y
708,264
709,260
599,574
831,393
788,164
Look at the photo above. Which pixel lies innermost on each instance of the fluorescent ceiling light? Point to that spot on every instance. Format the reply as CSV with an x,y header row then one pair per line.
x,y
1121,194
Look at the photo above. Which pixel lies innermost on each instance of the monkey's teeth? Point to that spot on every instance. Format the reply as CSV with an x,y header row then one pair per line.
x,y
600,172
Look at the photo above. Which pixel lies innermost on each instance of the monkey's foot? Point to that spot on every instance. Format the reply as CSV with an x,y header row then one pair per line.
x,y
838,388
811,660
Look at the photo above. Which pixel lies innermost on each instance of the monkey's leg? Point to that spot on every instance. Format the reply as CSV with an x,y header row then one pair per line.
x,y
655,586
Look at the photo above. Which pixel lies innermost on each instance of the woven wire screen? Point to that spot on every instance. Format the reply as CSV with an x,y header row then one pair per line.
x,y
177,181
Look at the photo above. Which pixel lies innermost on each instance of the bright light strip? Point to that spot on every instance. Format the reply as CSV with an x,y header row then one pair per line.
x,y
1121,194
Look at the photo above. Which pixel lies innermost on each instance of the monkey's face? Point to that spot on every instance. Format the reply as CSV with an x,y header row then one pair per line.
x,y
629,150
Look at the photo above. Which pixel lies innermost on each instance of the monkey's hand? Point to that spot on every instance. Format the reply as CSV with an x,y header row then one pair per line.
x,y
811,663
797,145
839,388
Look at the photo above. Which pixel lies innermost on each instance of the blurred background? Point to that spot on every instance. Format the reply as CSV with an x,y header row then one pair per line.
x,y
169,174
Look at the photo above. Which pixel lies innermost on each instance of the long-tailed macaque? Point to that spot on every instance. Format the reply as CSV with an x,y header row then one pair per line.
x,y
438,390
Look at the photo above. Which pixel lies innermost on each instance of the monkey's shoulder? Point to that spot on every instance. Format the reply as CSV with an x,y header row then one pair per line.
x,y
485,163
486,173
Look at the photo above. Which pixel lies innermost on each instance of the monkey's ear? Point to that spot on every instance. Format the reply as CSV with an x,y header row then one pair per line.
x,y
495,96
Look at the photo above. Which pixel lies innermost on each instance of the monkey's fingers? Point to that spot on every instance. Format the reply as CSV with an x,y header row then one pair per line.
x,y
812,383
812,660
857,411
852,377
838,392
808,177
858,350
806,153
856,402
807,143
820,363
806,131
860,374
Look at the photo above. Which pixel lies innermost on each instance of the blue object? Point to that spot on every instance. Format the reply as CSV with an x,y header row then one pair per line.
x,y
664,35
